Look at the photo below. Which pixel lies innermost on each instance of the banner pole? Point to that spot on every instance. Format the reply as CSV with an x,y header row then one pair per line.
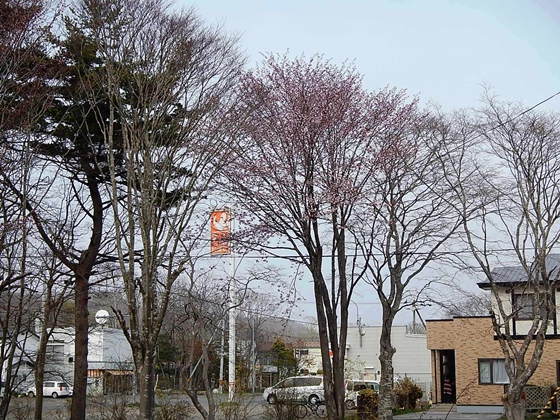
x,y
232,313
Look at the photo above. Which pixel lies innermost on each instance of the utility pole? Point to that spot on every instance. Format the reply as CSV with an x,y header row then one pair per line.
x,y
359,322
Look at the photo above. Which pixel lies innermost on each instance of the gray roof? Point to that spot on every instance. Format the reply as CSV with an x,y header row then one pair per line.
x,y
517,274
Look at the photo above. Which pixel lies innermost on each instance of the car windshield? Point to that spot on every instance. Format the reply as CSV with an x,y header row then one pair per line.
x,y
358,386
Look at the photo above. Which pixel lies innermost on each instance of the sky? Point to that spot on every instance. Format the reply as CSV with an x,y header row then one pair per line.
x,y
444,51
441,50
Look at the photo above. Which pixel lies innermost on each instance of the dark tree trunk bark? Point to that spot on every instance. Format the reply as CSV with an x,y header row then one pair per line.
x,y
386,351
82,272
81,324
40,372
146,388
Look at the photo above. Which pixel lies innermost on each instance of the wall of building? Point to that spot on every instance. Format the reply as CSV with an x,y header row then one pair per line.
x,y
309,358
23,366
522,326
473,339
61,366
108,348
411,359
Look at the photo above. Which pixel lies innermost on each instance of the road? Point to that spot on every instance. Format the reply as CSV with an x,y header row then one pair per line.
x,y
22,408
252,405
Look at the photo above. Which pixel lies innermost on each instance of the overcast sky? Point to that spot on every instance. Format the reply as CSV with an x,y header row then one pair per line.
x,y
442,50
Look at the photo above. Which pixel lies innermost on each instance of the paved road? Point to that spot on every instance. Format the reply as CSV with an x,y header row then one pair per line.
x,y
434,415
253,405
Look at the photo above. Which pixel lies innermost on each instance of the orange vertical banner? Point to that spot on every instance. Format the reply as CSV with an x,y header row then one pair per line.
x,y
219,232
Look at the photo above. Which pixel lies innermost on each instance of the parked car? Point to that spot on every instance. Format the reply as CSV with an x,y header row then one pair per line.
x,y
305,388
354,386
53,389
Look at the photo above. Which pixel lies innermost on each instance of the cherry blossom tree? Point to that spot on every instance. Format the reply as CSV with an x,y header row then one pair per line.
x,y
303,158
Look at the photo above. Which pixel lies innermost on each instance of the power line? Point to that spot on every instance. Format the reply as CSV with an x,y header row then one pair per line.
x,y
485,132
537,105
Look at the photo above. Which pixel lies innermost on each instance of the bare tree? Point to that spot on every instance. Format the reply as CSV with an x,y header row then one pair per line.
x,y
15,298
52,103
457,301
517,157
300,169
207,306
406,221
169,80
24,98
53,290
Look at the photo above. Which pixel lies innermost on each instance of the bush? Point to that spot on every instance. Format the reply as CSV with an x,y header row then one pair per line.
x,y
170,409
407,393
281,411
238,409
110,407
367,404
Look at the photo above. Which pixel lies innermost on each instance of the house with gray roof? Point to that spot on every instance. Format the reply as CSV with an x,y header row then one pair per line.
x,y
468,365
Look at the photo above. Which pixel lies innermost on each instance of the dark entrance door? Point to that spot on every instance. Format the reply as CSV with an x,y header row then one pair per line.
x,y
447,378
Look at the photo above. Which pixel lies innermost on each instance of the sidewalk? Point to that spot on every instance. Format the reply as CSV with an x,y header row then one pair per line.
x,y
438,415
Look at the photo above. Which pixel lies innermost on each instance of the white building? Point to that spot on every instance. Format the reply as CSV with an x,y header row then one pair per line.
x,y
23,361
308,356
110,364
110,367
411,359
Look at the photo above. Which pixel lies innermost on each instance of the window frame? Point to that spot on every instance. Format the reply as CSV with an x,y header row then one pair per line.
x,y
491,371
521,313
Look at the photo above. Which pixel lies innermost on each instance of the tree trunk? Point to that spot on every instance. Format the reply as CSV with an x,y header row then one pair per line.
x,y
81,296
328,383
386,351
206,382
147,383
206,415
515,410
40,371
78,410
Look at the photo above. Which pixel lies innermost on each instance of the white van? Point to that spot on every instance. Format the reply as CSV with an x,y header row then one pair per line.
x,y
53,389
305,388
354,386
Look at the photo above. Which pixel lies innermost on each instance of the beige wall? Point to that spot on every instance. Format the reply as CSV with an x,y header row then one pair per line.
x,y
521,327
473,339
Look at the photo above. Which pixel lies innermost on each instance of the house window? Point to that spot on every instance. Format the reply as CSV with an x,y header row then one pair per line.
x,y
524,307
492,371
302,352
54,353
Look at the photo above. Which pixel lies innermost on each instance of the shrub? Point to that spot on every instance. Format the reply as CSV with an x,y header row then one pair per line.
x,y
170,409
281,411
407,393
367,404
